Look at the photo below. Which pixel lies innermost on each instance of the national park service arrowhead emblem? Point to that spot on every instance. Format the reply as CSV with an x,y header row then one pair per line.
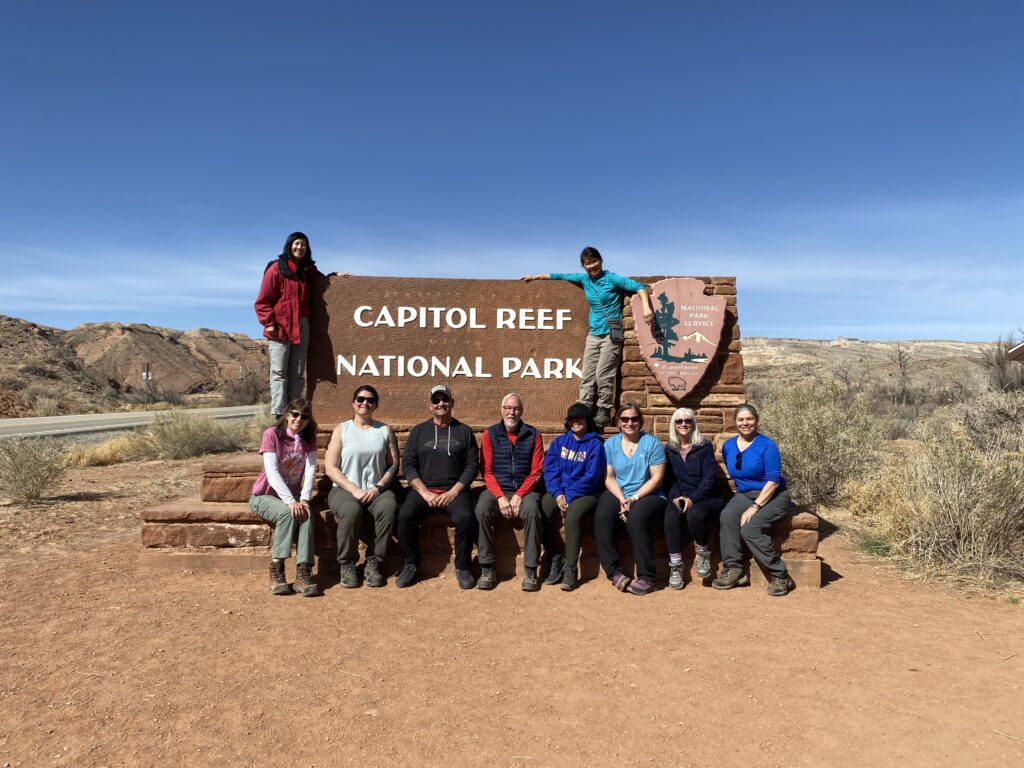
x,y
680,345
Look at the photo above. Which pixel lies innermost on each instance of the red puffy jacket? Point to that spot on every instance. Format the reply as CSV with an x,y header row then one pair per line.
x,y
278,302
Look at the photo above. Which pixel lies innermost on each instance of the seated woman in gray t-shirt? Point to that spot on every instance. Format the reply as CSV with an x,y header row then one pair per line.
x,y
362,461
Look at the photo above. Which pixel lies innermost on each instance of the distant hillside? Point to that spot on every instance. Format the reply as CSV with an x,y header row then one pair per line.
x,y
188,362
98,366
928,363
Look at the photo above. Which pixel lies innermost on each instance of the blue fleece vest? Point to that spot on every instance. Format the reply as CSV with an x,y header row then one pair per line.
x,y
511,463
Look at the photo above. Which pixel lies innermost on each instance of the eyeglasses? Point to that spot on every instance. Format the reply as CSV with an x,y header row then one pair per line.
x,y
439,398
297,415
512,408
691,422
364,399
629,419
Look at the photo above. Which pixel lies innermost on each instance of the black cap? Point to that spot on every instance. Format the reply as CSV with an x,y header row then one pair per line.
x,y
577,411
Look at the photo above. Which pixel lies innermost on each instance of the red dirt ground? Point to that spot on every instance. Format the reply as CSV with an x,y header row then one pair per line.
x,y
104,665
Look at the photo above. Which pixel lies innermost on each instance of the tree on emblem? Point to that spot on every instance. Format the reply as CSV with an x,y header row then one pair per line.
x,y
665,321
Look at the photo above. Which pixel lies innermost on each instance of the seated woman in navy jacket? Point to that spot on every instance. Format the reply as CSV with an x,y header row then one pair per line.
x,y
753,462
693,496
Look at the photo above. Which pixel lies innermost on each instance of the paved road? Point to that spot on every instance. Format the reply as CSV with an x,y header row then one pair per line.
x,y
108,422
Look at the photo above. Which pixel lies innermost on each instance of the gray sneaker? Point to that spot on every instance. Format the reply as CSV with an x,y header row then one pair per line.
x,y
603,417
779,586
555,574
530,582
465,578
703,563
349,577
372,574
487,578
732,576
675,576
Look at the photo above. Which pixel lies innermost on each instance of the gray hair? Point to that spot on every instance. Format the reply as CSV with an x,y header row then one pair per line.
x,y
673,437
517,396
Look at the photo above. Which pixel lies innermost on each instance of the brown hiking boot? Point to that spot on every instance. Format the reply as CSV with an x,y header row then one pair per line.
x,y
304,581
278,585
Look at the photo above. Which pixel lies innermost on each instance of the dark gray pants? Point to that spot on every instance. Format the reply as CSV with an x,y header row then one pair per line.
x,y
572,519
349,514
755,533
529,513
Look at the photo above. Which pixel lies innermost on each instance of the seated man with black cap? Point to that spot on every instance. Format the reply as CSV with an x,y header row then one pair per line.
x,y
439,462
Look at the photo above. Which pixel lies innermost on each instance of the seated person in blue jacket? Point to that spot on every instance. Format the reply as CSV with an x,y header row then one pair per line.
x,y
605,292
754,463
439,462
693,498
574,470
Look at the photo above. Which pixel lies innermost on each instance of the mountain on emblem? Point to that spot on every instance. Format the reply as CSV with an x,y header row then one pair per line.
x,y
684,335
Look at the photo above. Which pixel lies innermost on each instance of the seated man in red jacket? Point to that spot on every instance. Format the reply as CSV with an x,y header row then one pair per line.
x,y
512,459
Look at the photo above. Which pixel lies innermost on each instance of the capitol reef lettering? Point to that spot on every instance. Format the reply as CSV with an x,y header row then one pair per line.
x,y
440,367
523,318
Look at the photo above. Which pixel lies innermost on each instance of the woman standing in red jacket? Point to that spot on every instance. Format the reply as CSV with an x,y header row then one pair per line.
x,y
283,310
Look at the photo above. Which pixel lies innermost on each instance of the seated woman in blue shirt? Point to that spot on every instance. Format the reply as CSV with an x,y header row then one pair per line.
x,y
753,462
693,498
633,495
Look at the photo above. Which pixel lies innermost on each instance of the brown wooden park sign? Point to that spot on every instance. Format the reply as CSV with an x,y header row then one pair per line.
x,y
485,338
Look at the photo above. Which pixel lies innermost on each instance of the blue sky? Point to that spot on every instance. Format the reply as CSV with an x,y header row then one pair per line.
x,y
858,166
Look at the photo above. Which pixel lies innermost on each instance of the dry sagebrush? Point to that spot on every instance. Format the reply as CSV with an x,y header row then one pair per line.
x,y
30,466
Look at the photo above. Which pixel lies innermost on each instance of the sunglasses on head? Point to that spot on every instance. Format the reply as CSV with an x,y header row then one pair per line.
x,y
629,419
691,422
366,399
439,398
297,415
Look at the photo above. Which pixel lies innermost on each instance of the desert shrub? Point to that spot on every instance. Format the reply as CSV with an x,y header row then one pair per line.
x,y
46,406
1005,375
993,422
13,383
180,436
30,466
947,508
172,436
130,446
251,387
826,438
35,366
153,393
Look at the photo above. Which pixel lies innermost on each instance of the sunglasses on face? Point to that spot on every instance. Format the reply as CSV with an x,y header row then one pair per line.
x,y
629,419
440,399
691,422
364,399
297,415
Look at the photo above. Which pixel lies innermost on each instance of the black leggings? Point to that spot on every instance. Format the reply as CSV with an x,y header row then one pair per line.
x,y
699,519
643,517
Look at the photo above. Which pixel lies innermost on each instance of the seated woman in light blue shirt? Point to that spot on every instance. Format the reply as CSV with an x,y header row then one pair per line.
x,y
755,465
605,292
633,498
